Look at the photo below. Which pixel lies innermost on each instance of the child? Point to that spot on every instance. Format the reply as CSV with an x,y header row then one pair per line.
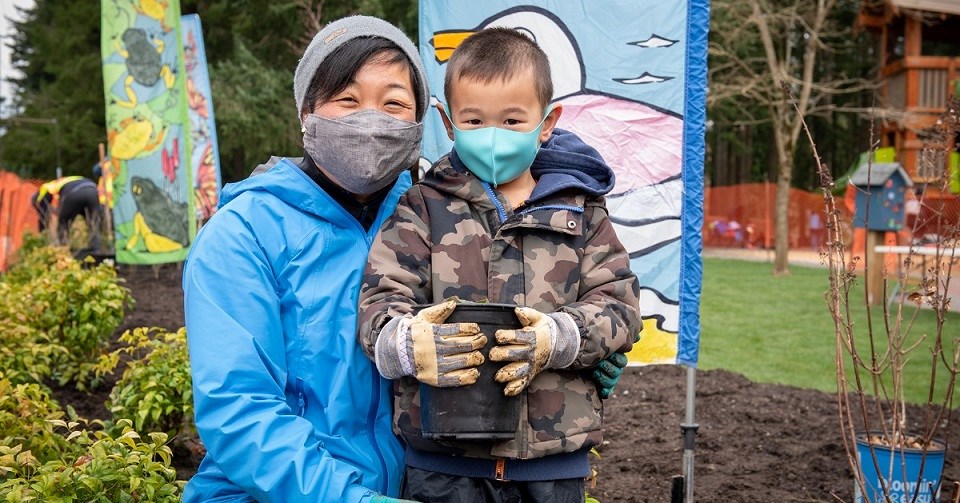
x,y
498,221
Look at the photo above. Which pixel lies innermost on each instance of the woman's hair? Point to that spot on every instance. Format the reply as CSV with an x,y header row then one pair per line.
x,y
338,70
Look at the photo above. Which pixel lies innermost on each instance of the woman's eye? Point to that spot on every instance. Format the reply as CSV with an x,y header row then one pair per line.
x,y
346,99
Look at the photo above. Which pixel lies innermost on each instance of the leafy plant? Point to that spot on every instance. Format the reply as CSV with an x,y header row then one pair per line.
x,y
26,415
591,481
155,391
95,467
65,312
33,259
22,359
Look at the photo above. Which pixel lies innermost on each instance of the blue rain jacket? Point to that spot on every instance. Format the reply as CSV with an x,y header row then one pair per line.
x,y
287,404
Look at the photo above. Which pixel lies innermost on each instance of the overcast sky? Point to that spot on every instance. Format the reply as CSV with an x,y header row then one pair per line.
x,y
7,9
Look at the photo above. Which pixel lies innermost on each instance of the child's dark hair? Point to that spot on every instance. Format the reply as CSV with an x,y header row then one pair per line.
x,y
499,53
338,70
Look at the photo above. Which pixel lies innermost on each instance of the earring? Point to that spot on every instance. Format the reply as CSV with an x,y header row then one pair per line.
x,y
303,129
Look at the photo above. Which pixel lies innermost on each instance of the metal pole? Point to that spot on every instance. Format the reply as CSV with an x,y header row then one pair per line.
x,y
689,429
56,132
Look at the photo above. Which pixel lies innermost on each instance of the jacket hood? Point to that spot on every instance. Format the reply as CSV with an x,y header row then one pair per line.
x,y
564,162
282,177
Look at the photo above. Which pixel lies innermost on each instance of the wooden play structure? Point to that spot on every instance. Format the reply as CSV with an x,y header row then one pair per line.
x,y
919,52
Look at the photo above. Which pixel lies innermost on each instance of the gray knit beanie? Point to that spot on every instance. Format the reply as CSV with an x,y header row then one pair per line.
x,y
335,34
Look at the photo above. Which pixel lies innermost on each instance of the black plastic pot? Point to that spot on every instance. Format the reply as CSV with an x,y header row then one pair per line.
x,y
479,411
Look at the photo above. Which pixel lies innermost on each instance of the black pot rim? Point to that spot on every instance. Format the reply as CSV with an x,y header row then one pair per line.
x,y
474,306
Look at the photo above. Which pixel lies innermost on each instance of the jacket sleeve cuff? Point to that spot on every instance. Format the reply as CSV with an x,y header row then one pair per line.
x,y
568,341
390,352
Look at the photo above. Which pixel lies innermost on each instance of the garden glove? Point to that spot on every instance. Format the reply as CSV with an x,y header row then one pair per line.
x,y
545,341
436,353
608,372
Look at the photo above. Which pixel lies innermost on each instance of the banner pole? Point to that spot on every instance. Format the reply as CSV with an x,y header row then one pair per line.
x,y
689,430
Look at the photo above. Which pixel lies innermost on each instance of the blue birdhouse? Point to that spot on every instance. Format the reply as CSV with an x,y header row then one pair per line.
x,y
881,191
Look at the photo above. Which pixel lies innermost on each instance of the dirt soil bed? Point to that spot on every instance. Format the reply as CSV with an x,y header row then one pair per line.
x,y
757,442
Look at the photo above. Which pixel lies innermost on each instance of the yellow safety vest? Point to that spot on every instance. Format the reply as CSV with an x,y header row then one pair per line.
x,y
53,188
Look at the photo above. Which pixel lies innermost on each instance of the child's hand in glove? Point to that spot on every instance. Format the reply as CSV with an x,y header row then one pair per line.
x,y
546,341
435,353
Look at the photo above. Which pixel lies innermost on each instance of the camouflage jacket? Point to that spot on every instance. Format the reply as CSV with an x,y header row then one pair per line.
x,y
453,235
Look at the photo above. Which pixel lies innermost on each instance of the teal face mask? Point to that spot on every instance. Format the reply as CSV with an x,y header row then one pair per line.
x,y
497,155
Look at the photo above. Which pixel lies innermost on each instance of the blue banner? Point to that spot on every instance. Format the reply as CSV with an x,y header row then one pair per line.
x,y
205,158
631,76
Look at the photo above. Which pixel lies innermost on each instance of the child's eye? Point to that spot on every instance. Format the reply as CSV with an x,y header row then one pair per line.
x,y
474,122
511,122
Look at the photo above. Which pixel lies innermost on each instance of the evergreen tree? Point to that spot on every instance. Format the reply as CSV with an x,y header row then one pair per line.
x,y
56,48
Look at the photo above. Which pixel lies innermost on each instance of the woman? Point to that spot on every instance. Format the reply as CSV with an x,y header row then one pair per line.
x,y
287,404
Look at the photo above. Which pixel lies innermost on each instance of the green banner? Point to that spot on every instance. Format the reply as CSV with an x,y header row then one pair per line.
x,y
148,140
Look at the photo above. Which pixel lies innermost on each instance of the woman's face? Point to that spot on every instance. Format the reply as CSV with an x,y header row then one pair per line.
x,y
378,85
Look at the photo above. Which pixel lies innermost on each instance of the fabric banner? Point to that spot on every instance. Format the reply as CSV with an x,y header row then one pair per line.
x,y
205,157
631,75
148,137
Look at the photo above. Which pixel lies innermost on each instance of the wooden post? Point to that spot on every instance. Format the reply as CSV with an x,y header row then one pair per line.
x,y
107,210
875,264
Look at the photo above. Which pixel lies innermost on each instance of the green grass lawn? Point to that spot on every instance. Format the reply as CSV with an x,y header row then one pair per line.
x,y
779,330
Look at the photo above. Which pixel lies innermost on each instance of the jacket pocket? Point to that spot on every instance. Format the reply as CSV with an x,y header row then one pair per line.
x,y
564,414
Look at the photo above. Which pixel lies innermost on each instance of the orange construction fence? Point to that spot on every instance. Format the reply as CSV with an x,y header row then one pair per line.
x,y
16,214
743,216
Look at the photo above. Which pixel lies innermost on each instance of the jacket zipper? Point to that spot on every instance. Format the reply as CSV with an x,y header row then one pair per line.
x,y
496,202
371,421
372,415
374,404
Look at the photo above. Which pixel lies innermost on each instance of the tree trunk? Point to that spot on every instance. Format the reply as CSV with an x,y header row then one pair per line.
x,y
781,243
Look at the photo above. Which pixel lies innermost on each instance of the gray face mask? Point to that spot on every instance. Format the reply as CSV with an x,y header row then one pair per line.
x,y
364,151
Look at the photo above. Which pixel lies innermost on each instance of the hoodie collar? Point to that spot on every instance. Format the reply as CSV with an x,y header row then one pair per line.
x,y
565,162
364,212
286,181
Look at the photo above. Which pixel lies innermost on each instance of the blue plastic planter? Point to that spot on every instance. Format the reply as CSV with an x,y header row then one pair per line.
x,y
900,470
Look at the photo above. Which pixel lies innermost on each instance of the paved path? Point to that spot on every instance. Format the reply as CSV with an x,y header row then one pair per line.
x,y
801,257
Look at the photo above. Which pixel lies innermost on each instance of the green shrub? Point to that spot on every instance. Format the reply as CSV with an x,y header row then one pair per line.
x,y
155,390
22,358
33,258
72,308
26,421
124,468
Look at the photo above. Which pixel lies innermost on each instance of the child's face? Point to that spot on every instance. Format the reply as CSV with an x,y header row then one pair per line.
x,y
507,104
